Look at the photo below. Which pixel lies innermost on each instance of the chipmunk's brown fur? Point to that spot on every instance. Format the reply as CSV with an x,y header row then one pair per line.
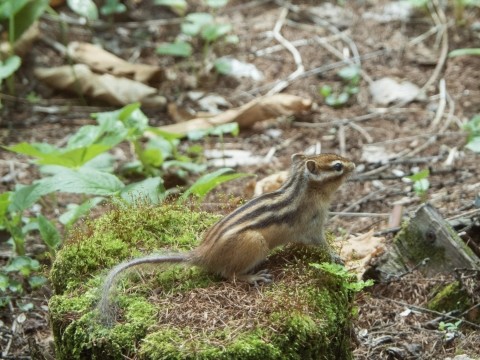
x,y
235,245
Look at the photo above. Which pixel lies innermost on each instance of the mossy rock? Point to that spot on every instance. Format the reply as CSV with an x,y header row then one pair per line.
x,y
176,312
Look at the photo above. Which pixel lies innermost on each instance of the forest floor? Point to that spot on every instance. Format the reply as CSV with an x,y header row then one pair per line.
x,y
387,141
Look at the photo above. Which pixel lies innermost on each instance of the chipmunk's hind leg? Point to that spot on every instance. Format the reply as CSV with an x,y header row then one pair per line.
x,y
251,250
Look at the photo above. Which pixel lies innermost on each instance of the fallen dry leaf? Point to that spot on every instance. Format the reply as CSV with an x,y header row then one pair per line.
x,y
260,109
103,61
358,250
270,183
108,88
387,90
23,45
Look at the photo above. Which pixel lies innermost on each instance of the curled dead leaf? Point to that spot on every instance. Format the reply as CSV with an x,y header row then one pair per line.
x,y
270,183
23,45
103,61
358,250
247,115
108,88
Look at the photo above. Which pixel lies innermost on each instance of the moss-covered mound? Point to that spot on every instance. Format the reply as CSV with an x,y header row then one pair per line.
x,y
175,312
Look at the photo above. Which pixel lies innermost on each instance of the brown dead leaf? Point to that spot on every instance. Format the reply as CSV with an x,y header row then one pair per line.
x,y
108,88
260,109
358,250
24,43
270,183
102,61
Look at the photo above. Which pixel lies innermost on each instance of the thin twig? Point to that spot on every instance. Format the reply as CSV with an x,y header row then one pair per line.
x,y
425,310
441,105
326,45
297,43
440,20
362,131
282,84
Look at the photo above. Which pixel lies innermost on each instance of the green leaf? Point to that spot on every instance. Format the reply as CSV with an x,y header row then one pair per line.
x,y
112,7
49,155
9,66
474,144
326,90
76,211
187,165
4,282
216,3
25,307
349,73
149,189
228,128
421,186
178,48
419,175
84,8
23,264
25,196
180,6
194,22
37,281
48,232
462,52
134,120
209,181
223,66
173,3
9,8
164,134
473,127
85,136
4,204
152,157
83,181
25,14
76,157
35,149
212,32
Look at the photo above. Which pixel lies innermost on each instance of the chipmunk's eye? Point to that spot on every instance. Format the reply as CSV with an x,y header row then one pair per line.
x,y
338,166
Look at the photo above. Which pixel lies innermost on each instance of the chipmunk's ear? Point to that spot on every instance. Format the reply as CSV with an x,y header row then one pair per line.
x,y
312,167
297,157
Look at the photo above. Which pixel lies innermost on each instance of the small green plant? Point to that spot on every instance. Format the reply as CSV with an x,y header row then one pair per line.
x,y
348,280
473,130
84,166
203,26
20,15
420,183
18,268
450,327
350,77
112,7
85,8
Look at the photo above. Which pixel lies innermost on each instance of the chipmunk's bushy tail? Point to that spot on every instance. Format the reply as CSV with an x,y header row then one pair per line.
x,y
105,306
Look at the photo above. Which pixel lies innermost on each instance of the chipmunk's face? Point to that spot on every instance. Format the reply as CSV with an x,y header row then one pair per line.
x,y
324,168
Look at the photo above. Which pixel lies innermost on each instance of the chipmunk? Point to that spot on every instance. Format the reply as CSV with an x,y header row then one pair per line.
x,y
235,245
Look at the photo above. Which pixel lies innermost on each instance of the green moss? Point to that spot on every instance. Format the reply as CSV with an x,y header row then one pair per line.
x,y
304,314
450,297
124,233
416,250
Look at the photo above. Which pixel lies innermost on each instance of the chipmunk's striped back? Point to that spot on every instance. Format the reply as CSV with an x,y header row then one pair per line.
x,y
307,176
